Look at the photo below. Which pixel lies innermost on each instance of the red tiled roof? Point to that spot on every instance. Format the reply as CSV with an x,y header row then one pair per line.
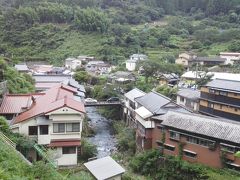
x,y
65,143
15,103
57,97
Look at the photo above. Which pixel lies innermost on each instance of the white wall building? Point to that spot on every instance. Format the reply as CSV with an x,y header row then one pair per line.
x,y
73,63
189,98
134,60
54,119
231,57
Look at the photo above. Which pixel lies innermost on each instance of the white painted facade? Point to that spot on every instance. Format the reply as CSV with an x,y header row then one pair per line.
x,y
65,159
63,115
230,57
192,104
73,63
131,65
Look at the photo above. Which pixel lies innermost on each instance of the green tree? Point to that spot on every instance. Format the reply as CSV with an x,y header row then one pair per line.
x,y
81,76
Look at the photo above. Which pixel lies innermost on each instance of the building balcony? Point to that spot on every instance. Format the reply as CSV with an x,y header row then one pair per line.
x,y
221,99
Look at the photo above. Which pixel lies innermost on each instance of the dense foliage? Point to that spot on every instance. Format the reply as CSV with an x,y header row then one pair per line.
x,y
88,150
16,82
112,29
125,138
151,163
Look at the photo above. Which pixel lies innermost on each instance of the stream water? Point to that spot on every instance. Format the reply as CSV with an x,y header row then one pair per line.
x,y
104,138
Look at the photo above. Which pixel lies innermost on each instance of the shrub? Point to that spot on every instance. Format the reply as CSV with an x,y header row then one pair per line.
x,y
88,150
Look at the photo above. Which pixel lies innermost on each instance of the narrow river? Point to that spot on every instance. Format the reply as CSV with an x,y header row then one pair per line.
x,y
104,138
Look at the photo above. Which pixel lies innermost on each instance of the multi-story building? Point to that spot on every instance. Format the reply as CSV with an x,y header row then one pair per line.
x,y
221,98
134,60
231,57
185,59
197,138
131,105
52,118
189,98
147,106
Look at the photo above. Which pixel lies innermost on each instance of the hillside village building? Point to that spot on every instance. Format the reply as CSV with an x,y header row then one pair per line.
x,y
73,63
221,98
130,106
142,108
52,118
231,57
185,59
189,98
131,64
162,124
203,139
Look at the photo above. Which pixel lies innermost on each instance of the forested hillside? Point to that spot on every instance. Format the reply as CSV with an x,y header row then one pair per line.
x,y
52,30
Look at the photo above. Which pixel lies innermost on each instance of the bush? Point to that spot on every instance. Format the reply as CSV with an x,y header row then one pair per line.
x,y
88,150
150,163
125,138
4,127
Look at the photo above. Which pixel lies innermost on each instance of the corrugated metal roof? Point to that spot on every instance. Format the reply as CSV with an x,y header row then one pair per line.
x,y
188,93
104,168
54,98
225,85
218,128
131,95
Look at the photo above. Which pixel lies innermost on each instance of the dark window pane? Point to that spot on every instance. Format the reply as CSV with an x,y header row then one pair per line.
x,y
76,127
43,129
58,127
32,130
61,127
69,150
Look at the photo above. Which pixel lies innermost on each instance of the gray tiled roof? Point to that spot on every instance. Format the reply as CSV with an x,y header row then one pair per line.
x,y
218,128
188,93
225,85
210,59
74,83
51,78
154,102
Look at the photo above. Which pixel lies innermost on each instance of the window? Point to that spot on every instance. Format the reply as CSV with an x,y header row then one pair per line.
x,y
235,109
32,130
228,148
223,93
202,142
210,105
211,91
58,127
69,150
161,128
73,127
189,153
221,106
181,99
174,135
192,140
169,147
43,129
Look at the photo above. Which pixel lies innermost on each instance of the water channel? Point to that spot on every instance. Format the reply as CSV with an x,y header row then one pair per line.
x,y
104,138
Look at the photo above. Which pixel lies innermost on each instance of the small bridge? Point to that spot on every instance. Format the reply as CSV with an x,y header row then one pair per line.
x,y
103,103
